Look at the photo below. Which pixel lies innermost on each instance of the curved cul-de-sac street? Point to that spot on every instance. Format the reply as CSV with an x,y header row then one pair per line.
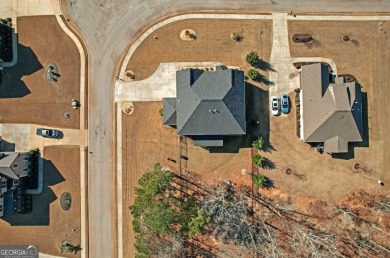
x,y
117,133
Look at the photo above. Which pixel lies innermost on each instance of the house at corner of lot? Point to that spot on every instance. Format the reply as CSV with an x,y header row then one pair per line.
x,y
331,113
209,105
14,170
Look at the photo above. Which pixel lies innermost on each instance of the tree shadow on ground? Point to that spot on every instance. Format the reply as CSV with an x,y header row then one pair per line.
x,y
40,215
263,80
366,133
268,164
268,147
265,66
257,122
12,85
77,249
268,183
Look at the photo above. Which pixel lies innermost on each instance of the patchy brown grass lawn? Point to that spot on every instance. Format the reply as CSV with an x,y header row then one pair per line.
x,y
213,44
48,224
26,95
146,142
326,177
314,175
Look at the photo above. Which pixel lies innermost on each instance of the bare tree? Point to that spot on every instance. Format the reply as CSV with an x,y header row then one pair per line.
x,y
313,242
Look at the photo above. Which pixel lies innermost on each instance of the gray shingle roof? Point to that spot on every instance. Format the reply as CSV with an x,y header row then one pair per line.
x,y
169,111
208,141
6,161
210,103
332,113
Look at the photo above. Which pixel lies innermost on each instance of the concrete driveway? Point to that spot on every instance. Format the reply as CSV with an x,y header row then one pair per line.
x,y
107,27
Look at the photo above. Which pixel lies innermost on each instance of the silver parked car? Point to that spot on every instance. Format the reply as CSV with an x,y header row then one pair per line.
x,y
48,133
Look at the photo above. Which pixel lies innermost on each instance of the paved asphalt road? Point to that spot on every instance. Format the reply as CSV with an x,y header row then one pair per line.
x,y
107,27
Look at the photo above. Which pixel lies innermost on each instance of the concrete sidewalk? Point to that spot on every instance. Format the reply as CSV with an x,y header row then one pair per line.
x,y
17,8
280,58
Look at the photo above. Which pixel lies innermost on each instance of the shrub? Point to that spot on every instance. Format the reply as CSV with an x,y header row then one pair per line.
x,y
197,224
259,180
252,58
235,36
258,143
258,160
253,74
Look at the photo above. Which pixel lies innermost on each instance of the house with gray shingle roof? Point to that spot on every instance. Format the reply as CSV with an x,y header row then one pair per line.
x,y
14,169
208,106
331,113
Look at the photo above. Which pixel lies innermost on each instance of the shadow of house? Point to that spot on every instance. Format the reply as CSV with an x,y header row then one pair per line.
x,y
7,146
257,116
12,85
40,214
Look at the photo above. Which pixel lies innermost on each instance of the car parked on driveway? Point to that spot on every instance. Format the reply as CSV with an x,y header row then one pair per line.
x,y
275,106
48,133
284,105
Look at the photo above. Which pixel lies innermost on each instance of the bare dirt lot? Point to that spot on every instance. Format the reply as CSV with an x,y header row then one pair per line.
x,y
48,224
213,43
26,95
368,61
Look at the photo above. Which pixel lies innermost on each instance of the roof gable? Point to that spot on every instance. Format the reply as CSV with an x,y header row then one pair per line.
x,y
169,111
210,103
6,161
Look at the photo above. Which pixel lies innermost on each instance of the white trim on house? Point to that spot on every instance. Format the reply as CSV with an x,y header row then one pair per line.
x,y
301,116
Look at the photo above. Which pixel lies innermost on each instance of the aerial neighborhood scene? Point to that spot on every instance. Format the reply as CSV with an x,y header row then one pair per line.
x,y
160,128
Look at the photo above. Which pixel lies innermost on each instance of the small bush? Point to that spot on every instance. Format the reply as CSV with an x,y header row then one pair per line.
x,y
253,74
198,223
252,58
258,160
235,36
259,180
258,143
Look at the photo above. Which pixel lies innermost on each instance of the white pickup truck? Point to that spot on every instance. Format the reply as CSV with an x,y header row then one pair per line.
x,y
48,133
